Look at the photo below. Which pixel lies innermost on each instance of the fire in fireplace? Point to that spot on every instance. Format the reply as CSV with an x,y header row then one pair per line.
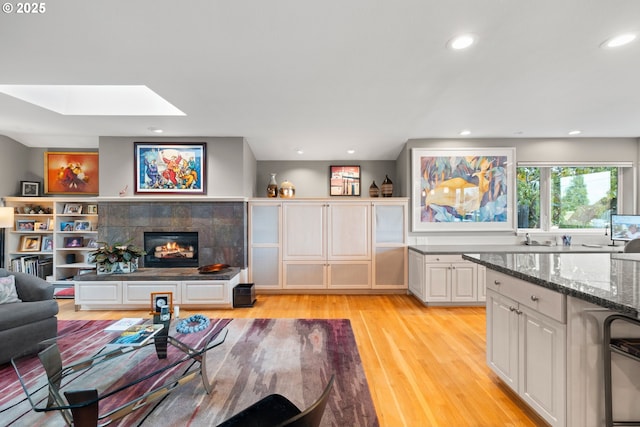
x,y
171,249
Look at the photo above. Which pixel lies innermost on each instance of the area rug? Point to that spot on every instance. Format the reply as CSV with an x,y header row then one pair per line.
x,y
292,357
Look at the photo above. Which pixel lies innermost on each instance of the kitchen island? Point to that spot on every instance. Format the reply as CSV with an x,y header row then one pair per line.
x,y
545,314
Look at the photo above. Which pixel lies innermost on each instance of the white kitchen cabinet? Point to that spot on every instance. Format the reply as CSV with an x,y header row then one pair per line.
x,y
389,244
526,336
326,245
445,279
265,237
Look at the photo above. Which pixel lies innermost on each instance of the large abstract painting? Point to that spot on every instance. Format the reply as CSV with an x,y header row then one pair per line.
x,y
71,173
463,189
175,168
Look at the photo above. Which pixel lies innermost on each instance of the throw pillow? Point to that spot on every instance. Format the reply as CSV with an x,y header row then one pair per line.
x,y
8,291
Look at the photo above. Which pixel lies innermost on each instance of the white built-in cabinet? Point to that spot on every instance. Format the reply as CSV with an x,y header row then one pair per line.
x,y
445,279
526,336
327,244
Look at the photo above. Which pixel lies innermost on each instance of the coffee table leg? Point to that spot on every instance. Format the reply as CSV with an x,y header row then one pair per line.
x,y
160,339
85,416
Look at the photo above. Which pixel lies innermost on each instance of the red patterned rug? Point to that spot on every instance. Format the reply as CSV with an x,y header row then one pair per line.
x,y
292,357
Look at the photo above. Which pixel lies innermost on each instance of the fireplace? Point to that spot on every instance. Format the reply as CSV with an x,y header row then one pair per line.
x,y
171,249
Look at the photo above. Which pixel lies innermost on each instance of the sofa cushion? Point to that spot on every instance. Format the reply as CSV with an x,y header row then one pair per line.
x,y
8,293
21,313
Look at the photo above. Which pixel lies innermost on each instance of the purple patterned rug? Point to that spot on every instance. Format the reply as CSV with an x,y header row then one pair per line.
x,y
292,357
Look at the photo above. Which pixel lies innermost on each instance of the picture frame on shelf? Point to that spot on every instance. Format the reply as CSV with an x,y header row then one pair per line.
x,y
160,300
80,225
29,188
92,243
92,209
344,180
170,168
72,208
41,226
72,242
30,243
67,225
47,243
71,173
464,189
25,225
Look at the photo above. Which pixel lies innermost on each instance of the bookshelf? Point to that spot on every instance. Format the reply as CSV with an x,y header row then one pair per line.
x,y
52,236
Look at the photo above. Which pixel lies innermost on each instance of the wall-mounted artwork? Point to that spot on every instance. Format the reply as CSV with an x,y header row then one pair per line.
x,y
173,168
71,173
470,189
344,180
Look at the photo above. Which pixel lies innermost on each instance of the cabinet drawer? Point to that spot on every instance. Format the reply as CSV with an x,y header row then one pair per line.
x,y
443,258
543,300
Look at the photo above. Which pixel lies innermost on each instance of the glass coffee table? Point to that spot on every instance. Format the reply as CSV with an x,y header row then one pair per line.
x,y
98,384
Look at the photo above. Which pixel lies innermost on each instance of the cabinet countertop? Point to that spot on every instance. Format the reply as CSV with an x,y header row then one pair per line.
x,y
609,280
161,274
460,249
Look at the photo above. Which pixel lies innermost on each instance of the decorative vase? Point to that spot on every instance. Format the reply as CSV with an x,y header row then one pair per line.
x,y
387,187
374,191
287,190
272,188
119,267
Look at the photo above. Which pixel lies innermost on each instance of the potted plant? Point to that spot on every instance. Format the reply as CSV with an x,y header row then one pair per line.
x,y
116,257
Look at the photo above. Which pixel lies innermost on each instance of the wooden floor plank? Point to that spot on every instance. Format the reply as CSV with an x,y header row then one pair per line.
x,y
426,366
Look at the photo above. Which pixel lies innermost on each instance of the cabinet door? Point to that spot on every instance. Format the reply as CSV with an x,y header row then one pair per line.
x,y
464,277
438,282
265,263
265,224
390,268
390,224
349,275
349,231
482,283
304,275
138,293
416,274
212,293
304,231
502,338
542,365
98,292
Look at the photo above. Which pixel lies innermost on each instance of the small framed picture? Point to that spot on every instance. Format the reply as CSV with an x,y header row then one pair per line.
x,y
41,226
72,208
29,188
344,180
25,225
30,243
91,243
67,226
73,242
81,225
160,300
47,243
92,209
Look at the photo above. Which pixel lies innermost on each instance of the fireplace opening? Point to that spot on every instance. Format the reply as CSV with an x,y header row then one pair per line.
x,y
171,249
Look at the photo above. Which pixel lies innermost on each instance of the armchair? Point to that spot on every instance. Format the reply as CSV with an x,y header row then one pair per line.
x,y
23,325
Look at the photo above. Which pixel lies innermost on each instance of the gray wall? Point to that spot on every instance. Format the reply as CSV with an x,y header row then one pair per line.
x,y
227,161
311,178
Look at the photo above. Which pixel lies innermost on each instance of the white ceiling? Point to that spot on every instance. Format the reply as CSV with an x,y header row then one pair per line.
x,y
326,76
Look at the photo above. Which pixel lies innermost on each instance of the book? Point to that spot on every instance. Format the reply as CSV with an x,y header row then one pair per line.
x,y
135,336
123,324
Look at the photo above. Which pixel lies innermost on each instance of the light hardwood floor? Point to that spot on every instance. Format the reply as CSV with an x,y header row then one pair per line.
x,y
425,365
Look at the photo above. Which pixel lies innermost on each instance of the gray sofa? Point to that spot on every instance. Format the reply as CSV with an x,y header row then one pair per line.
x,y
25,324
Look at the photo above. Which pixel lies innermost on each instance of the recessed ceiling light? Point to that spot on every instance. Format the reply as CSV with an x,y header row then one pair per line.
x,y
94,100
619,40
462,41
351,151
299,151
465,132
156,130
575,132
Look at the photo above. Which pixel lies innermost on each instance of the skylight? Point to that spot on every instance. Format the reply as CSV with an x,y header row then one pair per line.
x,y
94,100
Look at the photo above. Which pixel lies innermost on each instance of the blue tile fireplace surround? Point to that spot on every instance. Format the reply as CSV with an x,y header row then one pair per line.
x,y
221,226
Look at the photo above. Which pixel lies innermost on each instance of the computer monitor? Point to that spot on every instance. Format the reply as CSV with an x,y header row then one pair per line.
x,y
625,227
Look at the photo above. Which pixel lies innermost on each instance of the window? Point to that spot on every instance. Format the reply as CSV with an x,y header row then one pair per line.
x,y
566,197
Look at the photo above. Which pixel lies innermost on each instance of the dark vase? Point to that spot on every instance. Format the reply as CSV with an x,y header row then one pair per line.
x,y
387,187
374,191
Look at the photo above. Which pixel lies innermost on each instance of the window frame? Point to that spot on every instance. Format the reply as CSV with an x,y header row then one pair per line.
x,y
545,193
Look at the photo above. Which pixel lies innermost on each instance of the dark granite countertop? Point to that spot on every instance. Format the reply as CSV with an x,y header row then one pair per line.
x,y
540,248
182,273
610,280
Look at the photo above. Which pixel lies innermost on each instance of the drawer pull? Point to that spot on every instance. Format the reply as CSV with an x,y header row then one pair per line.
x,y
534,298
497,282
512,308
518,312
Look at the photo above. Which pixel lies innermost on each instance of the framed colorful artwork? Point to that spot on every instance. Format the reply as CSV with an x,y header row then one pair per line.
x,y
170,168
344,180
71,173
471,189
